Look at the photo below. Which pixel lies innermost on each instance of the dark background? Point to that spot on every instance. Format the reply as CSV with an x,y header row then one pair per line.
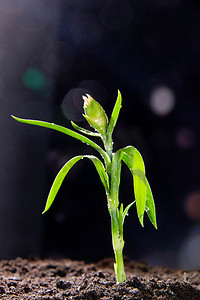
x,y
53,52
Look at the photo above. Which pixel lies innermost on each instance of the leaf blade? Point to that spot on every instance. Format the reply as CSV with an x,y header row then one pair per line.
x,y
64,171
135,163
58,181
101,171
85,131
66,131
114,115
125,212
151,211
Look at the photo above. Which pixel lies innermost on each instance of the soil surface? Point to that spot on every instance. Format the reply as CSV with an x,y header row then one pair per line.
x,y
65,279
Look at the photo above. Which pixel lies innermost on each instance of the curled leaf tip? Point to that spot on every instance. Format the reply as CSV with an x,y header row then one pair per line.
x,y
87,99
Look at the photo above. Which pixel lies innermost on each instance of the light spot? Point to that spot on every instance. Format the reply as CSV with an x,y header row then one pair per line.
x,y
162,100
33,79
192,205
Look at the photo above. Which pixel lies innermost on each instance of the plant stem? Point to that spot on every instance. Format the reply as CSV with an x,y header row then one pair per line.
x,y
119,267
113,171
118,245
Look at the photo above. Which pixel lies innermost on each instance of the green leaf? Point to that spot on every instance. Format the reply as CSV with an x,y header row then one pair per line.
x,y
101,171
126,211
58,181
131,156
142,190
115,114
143,196
65,169
151,211
123,214
85,131
69,132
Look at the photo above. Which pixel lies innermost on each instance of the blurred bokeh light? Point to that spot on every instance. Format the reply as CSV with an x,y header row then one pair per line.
x,y
33,79
192,205
162,101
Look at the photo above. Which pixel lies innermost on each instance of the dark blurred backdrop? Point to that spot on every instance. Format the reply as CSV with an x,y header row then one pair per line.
x,y
53,52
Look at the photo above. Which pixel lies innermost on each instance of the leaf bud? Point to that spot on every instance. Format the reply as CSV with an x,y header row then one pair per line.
x,y
95,114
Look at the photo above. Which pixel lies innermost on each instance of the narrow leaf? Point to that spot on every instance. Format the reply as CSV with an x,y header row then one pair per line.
x,y
101,171
58,181
126,211
85,131
151,211
65,169
134,161
115,114
69,132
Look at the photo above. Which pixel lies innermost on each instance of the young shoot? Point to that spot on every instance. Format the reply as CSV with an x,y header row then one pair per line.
x,y
109,170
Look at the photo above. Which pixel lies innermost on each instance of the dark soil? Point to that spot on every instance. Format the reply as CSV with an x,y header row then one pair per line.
x,y
65,279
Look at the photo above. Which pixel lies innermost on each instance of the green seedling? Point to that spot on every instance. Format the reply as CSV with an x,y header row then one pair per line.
x,y
109,170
